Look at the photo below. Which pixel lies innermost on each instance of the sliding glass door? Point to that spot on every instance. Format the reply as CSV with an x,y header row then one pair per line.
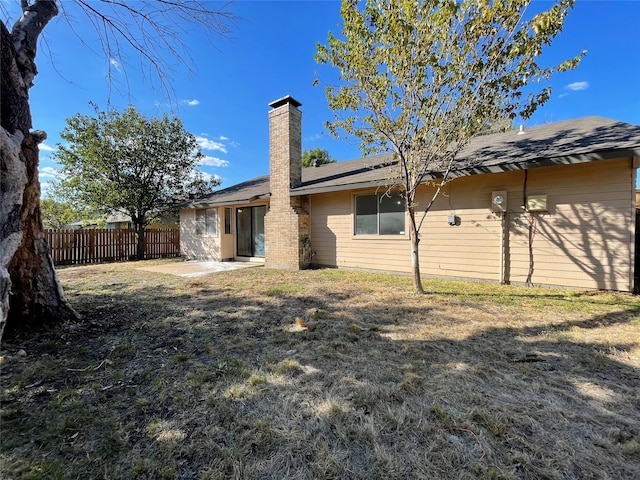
x,y
250,231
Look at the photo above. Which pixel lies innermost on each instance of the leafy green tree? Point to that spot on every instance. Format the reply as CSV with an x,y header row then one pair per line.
x,y
421,77
56,214
127,163
316,157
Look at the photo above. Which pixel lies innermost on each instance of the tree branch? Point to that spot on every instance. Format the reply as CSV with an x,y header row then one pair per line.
x,y
25,35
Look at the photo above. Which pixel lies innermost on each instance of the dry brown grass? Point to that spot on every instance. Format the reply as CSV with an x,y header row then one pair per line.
x,y
323,374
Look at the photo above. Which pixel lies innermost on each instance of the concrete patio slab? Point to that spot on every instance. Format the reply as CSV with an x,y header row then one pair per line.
x,y
196,268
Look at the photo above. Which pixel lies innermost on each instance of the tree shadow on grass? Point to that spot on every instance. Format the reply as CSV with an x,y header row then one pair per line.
x,y
222,378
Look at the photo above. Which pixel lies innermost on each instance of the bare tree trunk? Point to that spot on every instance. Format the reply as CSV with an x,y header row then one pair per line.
x,y
30,293
415,253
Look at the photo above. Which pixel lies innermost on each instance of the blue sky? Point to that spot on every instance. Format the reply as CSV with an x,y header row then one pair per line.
x,y
270,54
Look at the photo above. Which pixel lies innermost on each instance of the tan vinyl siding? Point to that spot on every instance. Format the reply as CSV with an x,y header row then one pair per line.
x,y
585,240
334,243
470,249
192,246
228,246
227,240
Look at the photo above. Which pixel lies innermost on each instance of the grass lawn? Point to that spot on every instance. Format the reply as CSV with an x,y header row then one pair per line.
x,y
322,374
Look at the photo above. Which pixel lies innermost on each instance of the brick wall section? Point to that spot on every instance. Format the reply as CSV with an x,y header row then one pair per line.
x,y
287,222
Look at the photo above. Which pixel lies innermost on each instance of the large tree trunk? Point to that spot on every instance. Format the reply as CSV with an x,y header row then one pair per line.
x,y
140,241
30,293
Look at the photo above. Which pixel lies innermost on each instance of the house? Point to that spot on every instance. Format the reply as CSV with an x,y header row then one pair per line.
x,y
549,205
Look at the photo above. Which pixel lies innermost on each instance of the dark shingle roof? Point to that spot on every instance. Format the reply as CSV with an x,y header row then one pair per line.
x,y
244,192
572,141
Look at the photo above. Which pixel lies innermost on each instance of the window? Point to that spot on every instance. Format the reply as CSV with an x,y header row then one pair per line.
x,y
380,215
207,221
227,221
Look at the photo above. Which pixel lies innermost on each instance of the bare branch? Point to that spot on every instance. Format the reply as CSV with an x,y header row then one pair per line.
x,y
25,35
156,31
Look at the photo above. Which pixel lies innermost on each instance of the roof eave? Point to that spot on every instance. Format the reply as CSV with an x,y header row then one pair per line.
x,y
302,190
507,166
241,201
608,154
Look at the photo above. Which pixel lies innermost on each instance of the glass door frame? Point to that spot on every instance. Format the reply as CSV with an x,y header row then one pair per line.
x,y
254,237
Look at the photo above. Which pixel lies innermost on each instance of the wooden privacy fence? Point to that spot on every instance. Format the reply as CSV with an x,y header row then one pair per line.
x,y
69,247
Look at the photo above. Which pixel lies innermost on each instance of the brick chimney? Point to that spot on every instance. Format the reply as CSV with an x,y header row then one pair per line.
x,y
287,222
285,146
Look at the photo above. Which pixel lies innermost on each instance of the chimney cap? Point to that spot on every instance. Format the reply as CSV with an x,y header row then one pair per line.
x,y
283,101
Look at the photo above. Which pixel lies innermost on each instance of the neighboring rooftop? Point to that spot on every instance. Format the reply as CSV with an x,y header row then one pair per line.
x,y
573,141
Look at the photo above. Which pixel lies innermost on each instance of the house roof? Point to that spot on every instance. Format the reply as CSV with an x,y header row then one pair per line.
x,y
573,141
244,192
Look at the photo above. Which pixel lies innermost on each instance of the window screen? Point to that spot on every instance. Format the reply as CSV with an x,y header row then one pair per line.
x,y
391,215
227,220
380,215
207,221
367,215
212,221
201,222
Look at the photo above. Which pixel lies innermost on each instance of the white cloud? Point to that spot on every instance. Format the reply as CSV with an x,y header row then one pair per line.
x,y
192,103
46,148
577,86
48,172
213,162
222,138
208,144
115,64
